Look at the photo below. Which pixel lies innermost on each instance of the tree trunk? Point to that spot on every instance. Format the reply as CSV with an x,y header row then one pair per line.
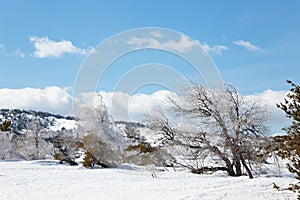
x,y
236,155
203,170
230,169
36,138
229,165
246,167
237,164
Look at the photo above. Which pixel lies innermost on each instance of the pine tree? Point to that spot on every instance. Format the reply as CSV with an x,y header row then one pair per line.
x,y
288,146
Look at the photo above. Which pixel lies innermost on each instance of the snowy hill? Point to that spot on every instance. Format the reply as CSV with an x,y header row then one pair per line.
x,y
21,120
139,132
33,133
19,143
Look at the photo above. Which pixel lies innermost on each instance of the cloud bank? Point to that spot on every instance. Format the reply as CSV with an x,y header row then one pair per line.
x,y
50,99
44,47
121,105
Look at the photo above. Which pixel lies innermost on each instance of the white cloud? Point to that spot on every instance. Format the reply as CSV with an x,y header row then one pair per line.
x,y
50,99
132,107
217,49
17,52
184,44
44,47
247,45
57,100
269,98
156,34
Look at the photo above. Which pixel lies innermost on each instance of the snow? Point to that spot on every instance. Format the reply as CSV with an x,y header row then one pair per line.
x,y
63,123
152,137
47,179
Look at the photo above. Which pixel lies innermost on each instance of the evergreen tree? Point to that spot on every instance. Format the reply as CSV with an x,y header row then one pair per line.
x,y
288,146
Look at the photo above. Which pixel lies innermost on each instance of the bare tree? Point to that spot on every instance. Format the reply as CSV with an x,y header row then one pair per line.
x,y
219,124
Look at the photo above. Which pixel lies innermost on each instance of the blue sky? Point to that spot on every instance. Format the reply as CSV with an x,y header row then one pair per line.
x,y
272,26
255,44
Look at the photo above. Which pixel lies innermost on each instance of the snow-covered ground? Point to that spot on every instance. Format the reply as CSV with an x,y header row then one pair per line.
x,y
63,123
48,180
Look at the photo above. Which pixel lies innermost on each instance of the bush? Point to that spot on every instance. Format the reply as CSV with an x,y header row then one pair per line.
x,y
143,154
142,147
5,126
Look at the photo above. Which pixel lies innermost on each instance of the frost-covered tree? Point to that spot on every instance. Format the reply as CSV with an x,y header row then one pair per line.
x,y
29,144
101,139
67,146
5,144
219,128
32,144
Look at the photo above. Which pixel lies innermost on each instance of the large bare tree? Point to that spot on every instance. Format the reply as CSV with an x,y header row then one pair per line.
x,y
217,124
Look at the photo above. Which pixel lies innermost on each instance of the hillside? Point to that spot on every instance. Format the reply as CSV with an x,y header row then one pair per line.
x,y
20,141
21,120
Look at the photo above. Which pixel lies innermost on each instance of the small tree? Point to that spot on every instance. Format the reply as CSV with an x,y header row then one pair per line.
x,y
31,144
219,124
5,144
66,147
288,146
102,141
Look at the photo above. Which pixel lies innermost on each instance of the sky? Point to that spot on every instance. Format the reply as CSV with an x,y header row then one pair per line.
x,y
254,44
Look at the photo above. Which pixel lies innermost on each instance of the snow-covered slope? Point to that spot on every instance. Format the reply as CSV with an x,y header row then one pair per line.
x,y
35,180
140,132
21,120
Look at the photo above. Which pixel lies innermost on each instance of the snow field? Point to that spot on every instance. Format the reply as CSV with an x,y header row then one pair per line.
x,y
36,180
